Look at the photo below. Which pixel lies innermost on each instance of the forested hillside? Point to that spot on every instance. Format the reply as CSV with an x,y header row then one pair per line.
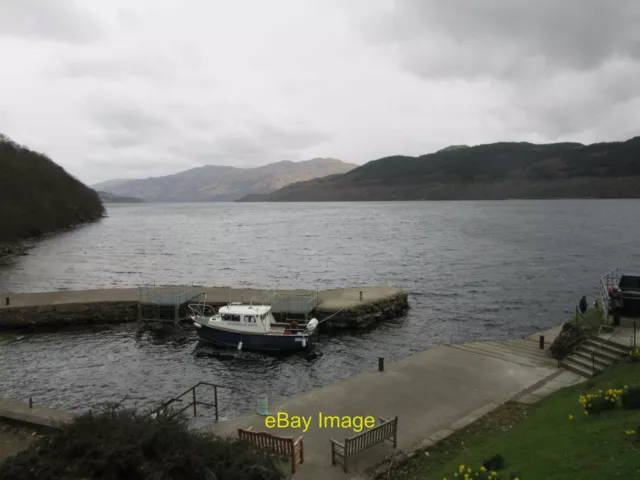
x,y
493,171
38,196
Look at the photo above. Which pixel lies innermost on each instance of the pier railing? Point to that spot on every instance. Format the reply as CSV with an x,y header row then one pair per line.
x,y
175,406
301,303
166,294
609,279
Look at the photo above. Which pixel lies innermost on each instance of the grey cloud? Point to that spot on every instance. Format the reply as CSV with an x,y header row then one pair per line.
x,y
63,20
575,102
507,38
126,127
105,69
257,143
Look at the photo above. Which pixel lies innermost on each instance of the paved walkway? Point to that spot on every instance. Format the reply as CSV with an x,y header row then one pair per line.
x,y
37,415
433,393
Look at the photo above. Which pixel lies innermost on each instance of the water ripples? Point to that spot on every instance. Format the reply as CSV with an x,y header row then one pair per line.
x,y
473,270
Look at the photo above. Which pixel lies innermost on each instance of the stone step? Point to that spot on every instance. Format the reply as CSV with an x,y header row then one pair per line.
x,y
574,366
583,363
511,347
479,349
607,346
603,354
589,357
613,344
516,349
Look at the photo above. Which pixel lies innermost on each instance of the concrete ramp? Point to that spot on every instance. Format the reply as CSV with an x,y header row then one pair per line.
x,y
524,352
432,393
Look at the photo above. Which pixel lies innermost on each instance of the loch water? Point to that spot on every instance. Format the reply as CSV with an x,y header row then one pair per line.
x,y
473,270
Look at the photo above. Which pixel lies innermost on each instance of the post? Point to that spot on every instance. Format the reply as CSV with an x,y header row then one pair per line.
x,y
381,364
593,363
193,391
30,403
360,296
634,334
541,342
215,396
6,301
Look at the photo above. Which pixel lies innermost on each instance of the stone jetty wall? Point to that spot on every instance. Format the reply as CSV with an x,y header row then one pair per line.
x,y
365,314
355,307
43,316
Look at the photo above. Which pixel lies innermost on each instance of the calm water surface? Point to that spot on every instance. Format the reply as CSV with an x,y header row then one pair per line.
x,y
473,270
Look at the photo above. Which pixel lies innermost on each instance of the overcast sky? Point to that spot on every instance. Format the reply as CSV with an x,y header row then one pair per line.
x,y
138,88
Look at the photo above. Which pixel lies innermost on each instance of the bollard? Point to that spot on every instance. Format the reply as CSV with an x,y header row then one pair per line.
x,y
6,301
541,342
381,364
360,296
30,403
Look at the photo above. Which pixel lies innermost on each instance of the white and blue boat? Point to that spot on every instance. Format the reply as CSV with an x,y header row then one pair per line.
x,y
250,327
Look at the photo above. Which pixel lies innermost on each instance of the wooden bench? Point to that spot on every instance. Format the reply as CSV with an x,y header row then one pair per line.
x,y
387,430
289,446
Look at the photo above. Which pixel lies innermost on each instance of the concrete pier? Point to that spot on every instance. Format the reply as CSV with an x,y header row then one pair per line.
x,y
355,307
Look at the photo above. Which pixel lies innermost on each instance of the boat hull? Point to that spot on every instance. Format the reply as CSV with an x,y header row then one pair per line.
x,y
256,342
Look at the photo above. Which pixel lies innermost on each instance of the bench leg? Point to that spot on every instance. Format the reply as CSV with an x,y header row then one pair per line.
x,y
333,454
344,462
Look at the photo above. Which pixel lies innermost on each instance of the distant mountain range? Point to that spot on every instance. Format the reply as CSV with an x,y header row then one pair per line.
x,y
485,172
222,183
107,197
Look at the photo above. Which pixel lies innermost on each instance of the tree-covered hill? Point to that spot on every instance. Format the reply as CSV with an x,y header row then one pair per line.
x,y
493,171
37,196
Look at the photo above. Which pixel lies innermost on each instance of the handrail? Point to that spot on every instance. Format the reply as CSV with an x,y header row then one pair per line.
x,y
162,409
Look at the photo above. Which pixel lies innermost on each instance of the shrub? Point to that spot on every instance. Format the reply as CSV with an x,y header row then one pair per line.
x,y
570,337
601,401
467,473
634,354
631,398
495,462
117,444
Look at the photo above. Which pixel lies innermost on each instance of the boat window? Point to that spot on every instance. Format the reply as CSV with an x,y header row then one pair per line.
x,y
230,318
249,319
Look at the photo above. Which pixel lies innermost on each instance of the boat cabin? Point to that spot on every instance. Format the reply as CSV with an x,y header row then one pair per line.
x,y
237,316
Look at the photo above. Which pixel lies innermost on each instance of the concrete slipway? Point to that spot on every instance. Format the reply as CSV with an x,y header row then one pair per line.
x,y
433,393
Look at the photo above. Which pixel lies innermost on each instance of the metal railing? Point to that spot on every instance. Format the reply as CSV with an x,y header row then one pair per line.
x,y
166,412
609,279
292,302
179,294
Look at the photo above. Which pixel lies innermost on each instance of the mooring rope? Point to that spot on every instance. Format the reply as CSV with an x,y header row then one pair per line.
x,y
332,315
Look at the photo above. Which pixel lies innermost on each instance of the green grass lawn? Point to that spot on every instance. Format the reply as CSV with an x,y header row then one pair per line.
x,y
590,320
540,442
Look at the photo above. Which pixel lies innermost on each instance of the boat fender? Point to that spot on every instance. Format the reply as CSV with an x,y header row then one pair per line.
x,y
240,345
313,323
304,342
